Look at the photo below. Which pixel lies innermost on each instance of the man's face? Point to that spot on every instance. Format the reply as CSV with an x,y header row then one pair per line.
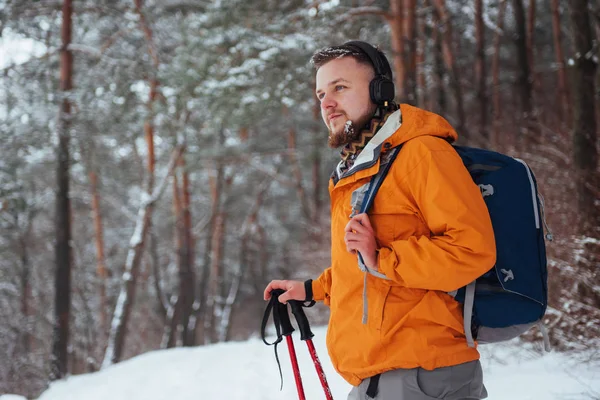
x,y
343,90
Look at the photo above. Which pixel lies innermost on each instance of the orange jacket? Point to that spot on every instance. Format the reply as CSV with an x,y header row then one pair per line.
x,y
434,235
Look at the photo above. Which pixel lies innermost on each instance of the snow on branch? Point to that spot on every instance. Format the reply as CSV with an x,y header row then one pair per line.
x,y
158,191
355,12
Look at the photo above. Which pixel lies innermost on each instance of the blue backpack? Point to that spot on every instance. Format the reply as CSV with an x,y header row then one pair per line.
x,y
511,297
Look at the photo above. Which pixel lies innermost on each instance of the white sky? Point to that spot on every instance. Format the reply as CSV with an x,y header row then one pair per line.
x,y
248,371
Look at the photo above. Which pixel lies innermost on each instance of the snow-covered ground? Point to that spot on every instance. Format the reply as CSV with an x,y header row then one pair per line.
x,y
248,371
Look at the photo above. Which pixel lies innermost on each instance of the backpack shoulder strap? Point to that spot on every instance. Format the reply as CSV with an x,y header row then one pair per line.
x,y
362,198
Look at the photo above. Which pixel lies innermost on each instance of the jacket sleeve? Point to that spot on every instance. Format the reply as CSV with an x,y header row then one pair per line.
x,y
322,287
461,246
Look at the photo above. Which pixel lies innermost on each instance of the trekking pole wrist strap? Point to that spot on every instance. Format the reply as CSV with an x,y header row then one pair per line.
x,y
309,294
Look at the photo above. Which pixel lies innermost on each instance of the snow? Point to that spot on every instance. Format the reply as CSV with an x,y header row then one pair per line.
x,y
248,371
136,238
17,49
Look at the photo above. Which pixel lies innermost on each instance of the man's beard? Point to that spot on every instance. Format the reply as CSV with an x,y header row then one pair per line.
x,y
350,132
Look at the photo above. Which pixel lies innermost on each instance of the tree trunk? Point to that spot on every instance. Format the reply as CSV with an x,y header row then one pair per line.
x,y
163,302
216,278
100,263
248,232
206,302
563,89
171,327
422,95
411,47
524,87
297,173
225,323
234,290
530,40
116,339
26,289
168,338
62,282
296,170
175,311
316,165
496,75
584,123
441,102
396,30
213,273
187,276
448,54
480,70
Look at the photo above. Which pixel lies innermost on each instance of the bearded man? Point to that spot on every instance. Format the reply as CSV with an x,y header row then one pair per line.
x,y
394,331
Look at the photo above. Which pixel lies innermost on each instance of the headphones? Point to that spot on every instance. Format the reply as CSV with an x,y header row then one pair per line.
x,y
381,88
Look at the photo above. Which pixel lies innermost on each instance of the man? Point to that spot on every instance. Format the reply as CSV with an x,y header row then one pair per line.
x,y
395,333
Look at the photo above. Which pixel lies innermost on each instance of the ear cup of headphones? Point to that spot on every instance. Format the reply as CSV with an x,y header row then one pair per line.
x,y
381,90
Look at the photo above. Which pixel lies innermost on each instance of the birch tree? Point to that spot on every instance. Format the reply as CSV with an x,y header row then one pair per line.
x,y
122,312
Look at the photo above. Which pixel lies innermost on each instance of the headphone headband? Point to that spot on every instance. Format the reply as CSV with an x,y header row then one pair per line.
x,y
382,67
381,88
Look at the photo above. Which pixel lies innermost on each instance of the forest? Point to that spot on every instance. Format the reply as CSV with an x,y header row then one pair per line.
x,y
162,160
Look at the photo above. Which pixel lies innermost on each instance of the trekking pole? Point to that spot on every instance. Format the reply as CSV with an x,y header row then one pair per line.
x,y
284,327
307,335
290,343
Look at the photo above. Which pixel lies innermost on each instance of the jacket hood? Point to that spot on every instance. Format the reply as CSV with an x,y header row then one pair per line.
x,y
414,122
406,123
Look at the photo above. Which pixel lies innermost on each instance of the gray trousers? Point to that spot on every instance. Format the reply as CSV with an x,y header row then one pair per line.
x,y
458,382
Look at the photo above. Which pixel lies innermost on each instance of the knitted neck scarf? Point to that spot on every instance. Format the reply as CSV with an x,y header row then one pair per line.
x,y
352,149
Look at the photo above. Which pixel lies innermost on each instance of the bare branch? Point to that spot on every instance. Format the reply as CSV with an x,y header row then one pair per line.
x,y
360,11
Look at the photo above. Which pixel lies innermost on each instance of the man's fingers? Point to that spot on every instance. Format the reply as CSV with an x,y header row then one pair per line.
x,y
353,245
267,292
293,290
364,220
272,286
354,241
354,226
352,237
284,297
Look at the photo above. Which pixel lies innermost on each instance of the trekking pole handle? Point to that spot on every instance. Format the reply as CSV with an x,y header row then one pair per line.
x,y
280,311
303,325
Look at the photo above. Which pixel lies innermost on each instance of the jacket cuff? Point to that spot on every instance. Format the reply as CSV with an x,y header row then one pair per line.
x,y
388,262
318,293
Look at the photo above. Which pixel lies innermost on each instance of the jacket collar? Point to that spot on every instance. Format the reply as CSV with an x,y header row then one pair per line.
x,y
370,154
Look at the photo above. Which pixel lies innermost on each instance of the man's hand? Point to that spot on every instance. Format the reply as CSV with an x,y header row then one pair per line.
x,y
294,290
360,237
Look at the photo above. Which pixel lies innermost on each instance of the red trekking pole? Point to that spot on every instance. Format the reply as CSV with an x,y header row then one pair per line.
x,y
286,330
307,335
284,327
